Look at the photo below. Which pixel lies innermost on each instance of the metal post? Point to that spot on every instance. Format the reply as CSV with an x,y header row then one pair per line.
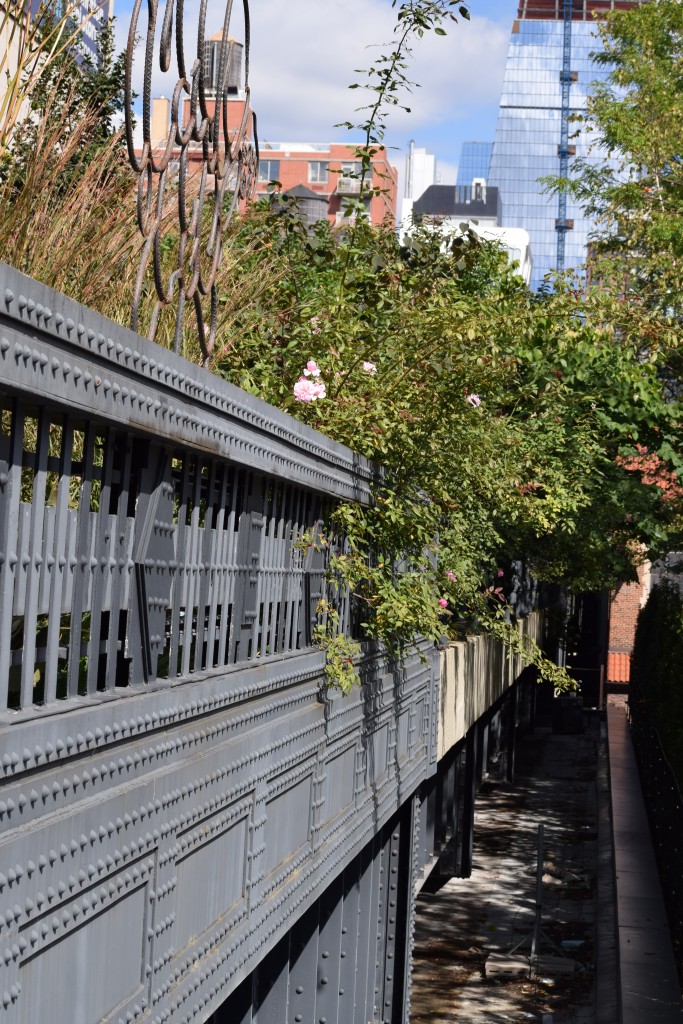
x,y
539,893
472,747
512,734
565,78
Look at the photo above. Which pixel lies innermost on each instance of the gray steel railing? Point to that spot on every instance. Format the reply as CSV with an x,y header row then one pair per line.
x,y
155,521
178,800
175,791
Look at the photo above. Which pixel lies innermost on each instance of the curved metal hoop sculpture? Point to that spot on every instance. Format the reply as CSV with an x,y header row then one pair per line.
x,y
226,175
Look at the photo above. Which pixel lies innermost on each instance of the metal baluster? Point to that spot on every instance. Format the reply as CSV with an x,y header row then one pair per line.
x,y
217,580
192,571
270,574
82,569
58,575
35,555
10,469
179,588
297,582
228,585
123,530
277,567
101,569
206,574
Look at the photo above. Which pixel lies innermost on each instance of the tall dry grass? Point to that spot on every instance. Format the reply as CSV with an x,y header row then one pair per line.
x,y
31,41
68,202
68,219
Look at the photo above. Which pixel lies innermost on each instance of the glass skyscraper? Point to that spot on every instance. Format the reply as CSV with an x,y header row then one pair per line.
x,y
547,79
474,162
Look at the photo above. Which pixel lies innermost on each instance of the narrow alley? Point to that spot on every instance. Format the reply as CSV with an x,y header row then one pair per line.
x,y
560,783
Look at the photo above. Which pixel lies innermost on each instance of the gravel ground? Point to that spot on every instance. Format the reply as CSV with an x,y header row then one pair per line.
x,y
467,920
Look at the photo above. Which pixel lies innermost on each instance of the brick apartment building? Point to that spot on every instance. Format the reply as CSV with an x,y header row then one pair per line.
x,y
323,177
625,604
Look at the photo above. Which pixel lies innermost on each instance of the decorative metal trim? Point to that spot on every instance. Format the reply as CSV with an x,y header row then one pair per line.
x,y
96,367
227,175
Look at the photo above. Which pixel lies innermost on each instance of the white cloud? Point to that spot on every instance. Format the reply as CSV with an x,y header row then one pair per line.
x,y
301,71
303,56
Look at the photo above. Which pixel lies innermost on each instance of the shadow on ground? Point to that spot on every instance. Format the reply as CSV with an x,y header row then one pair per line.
x,y
466,920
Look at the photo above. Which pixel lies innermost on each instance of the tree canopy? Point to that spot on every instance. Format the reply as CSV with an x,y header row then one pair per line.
x,y
636,193
512,427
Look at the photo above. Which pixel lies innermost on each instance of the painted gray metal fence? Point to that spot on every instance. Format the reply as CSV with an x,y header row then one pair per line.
x,y
191,828
176,791
151,516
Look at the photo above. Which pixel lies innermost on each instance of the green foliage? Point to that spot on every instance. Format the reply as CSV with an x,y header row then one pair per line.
x,y
524,646
341,653
656,667
637,196
536,472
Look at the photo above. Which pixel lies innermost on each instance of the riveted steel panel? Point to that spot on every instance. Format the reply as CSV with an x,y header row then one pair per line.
x,y
303,957
178,791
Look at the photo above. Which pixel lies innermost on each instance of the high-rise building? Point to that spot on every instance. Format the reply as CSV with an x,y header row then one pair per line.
x,y
420,174
91,17
548,75
420,171
474,162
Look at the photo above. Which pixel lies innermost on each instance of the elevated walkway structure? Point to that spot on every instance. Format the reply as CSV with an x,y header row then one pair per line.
x,y
192,827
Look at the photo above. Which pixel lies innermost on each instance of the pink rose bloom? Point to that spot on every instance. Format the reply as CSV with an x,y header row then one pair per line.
x,y
369,367
474,401
443,602
452,577
308,390
311,369
500,572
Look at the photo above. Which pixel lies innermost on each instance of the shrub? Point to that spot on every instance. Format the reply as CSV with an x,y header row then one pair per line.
x,y
657,667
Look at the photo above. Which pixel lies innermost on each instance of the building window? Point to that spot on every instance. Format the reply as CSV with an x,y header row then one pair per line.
x,y
269,170
349,210
317,171
349,178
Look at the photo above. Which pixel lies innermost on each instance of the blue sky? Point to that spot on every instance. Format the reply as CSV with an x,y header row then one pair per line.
x,y
304,53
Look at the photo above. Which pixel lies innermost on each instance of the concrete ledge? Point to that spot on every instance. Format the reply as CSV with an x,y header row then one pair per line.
x,y
475,673
648,980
